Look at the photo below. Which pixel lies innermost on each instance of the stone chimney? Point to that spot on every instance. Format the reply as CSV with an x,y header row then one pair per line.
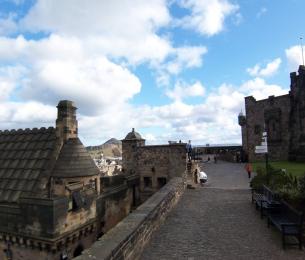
x,y
66,123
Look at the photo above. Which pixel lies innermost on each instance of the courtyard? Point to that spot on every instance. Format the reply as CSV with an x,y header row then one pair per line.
x,y
217,221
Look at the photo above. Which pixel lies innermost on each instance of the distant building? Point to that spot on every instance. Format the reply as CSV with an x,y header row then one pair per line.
x,y
155,164
283,118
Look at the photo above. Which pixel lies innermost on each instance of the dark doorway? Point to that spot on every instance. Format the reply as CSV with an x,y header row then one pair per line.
x,y
134,194
147,182
78,251
161,182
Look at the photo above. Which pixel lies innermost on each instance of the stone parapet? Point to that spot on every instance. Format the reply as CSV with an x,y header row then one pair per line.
x,y
128,238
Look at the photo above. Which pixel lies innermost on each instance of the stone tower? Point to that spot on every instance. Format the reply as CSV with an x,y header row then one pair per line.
x,y
66,123
297,115
129,151
242,122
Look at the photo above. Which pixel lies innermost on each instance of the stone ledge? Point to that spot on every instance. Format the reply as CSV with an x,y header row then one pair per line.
x,y
128,238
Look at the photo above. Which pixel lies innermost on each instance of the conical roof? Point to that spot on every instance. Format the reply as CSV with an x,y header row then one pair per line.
x,y
74,161
133,135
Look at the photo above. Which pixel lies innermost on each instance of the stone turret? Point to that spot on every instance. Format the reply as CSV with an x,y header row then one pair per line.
x,y
241,119
297,118
66,123
129,151
242,123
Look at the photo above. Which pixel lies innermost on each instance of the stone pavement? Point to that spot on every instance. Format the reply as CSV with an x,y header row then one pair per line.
x,y
217,221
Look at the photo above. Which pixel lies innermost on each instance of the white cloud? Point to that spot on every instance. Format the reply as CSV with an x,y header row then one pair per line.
x,y
207,16
117,28
8,24
10,77
182,91
181,58
93,83
294,57
270,69
214,120
188,57
90,60
26,114
63,68
258,88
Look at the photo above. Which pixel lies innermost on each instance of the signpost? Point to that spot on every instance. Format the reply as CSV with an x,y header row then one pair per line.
x,y
263,148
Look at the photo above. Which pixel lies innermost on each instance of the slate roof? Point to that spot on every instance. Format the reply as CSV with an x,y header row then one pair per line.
x,y
24,155
74,161
28,158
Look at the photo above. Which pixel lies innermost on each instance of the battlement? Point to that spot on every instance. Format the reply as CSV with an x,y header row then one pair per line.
x,y
295,77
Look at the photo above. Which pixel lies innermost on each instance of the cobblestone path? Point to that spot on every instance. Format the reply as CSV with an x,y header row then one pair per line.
x,y
218,222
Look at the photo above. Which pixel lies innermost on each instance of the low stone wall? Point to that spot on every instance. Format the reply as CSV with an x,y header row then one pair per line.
x,y
128,238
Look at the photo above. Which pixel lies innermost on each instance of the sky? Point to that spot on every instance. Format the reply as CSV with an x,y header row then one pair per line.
x,y
172,69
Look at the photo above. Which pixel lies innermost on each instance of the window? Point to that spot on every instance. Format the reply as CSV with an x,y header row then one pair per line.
x,y
257,129
92,184
147,182
76,201
161,182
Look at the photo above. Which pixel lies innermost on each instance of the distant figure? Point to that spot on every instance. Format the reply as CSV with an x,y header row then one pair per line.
x,y
209,159
248,168
215,159
203,177
189,150
237,158
196,176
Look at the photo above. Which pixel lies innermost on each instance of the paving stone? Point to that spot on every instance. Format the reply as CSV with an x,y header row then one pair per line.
x,y
217,221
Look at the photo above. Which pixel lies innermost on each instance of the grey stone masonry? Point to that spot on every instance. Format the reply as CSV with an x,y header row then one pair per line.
x,y
128,238
282,117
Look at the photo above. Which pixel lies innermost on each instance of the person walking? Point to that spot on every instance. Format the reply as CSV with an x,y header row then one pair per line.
x,y
189,150
248,168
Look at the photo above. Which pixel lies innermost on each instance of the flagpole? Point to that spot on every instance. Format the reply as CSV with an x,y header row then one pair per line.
x,y
301,38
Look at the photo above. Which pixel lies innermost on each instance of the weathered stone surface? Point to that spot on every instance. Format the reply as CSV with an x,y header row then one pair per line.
x,y
283,118
127,239
155,164
218,221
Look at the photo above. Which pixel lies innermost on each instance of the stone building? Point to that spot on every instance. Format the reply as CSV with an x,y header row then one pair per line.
x,y
53,203
282,117
155,164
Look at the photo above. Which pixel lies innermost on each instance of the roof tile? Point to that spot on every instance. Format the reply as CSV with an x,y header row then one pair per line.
x,y
23,156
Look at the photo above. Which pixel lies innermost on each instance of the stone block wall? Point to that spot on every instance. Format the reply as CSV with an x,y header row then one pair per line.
x,y
128,239
159,162
273,114
116,200
34,249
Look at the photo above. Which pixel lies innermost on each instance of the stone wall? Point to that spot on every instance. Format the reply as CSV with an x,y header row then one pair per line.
x,y
128,238
35,251
297,126
284,119
272,114
47,229
159,163
116,200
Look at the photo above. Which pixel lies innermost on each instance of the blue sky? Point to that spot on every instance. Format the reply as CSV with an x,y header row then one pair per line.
x,y
171,69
